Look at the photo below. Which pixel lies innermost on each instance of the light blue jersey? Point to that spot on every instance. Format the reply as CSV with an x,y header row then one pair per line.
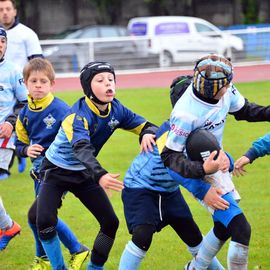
x,y
191,113
12,89
148,171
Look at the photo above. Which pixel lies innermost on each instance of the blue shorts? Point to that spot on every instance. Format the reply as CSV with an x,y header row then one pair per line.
x,y
226,216
143,206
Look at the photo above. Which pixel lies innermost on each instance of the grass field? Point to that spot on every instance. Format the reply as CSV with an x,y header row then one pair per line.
x,y
167,251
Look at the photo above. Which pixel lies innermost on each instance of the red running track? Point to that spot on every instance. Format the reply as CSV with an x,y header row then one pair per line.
x,y
259,72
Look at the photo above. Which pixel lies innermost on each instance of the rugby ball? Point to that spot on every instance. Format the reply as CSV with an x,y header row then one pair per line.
x,y
200,144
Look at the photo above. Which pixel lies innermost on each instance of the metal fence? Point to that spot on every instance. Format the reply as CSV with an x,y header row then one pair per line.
x,y
135,53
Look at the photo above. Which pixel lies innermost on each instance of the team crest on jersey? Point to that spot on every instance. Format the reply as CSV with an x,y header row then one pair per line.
x,y
113,123
49,121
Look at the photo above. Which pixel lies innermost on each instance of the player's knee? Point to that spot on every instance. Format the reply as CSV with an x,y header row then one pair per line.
x,y
142,236
221,232
110,225
240,230
46,227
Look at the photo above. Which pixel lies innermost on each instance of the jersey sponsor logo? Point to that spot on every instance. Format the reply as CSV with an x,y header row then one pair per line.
x,y
179,131
113,123
1,88
49,121
210,125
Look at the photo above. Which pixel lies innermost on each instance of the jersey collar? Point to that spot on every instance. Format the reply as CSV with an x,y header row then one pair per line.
x,y
93,107
40,104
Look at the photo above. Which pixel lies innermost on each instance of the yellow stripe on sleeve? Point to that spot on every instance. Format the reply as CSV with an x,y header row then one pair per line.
x,y
161,141
21,132
137,130
67,126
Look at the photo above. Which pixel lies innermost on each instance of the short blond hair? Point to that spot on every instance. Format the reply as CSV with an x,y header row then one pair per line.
x,y
39,64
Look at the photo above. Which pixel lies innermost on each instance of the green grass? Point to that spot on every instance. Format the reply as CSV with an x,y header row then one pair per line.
x,y
167,251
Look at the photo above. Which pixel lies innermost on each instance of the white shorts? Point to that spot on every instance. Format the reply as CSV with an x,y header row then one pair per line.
x,y
5,158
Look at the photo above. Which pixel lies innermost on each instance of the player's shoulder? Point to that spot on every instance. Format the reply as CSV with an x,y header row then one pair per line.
x,y
23,30
10,68
61,103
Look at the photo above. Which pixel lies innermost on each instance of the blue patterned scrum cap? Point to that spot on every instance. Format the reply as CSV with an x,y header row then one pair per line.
x,y
211,73
3,33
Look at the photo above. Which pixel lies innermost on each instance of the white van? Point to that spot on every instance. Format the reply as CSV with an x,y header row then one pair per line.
x,y
182,39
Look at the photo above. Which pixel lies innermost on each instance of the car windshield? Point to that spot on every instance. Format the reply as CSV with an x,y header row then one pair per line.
x,y
98,31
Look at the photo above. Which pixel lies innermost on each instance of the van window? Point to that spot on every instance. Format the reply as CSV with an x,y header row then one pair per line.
x,y
203,28
138,29
171,28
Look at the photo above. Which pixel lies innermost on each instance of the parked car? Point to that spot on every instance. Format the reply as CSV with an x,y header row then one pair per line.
x,y
183,39
95,42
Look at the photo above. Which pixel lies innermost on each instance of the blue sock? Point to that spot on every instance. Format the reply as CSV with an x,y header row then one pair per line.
x,y
54,253
131,257
39,248
208,250
67,237
237,256
214,265
21,164
92,266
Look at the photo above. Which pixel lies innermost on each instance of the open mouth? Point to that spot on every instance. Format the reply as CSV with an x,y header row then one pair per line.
x,y
110,92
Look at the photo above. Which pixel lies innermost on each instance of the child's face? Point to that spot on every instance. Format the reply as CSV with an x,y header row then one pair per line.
x,y
38,85
3,46
103,86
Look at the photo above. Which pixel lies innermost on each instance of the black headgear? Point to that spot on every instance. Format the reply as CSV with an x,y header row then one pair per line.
x,y
211,73
87,74
3,32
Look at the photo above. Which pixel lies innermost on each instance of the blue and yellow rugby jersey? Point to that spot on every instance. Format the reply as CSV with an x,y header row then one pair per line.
x,y
84,122
147,169
38,123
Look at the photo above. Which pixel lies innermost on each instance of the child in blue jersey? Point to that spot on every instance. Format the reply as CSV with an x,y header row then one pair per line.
x,y
152,200
205,104
260,148
71,164
13,97
36,128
